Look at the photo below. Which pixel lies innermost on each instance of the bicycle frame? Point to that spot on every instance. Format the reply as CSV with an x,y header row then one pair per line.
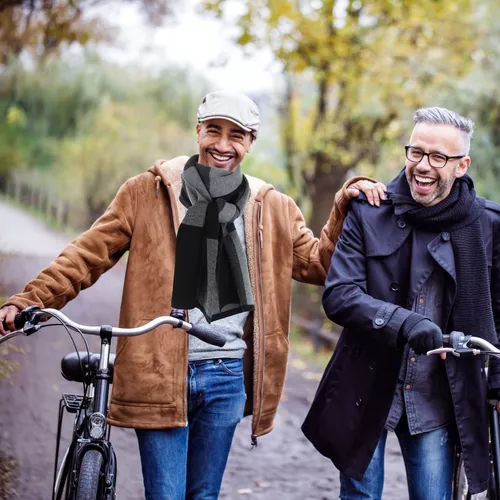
x,y
90,431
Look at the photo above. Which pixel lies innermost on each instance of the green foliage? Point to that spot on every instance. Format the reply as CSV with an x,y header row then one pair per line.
x,y
266,170
8,477
84,126
121,141
366,64
11,131
477,96
7,367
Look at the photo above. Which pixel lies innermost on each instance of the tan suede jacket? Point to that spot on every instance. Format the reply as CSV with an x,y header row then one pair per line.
x,y
149,387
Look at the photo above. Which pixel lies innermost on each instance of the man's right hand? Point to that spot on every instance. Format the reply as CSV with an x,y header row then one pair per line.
x,y
7,315
374,191
422,334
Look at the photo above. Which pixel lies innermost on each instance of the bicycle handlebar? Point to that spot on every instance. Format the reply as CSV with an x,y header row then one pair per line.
x,y
465,345
27,323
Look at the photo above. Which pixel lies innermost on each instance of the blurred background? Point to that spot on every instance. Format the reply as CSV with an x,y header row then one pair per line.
x,y
93,92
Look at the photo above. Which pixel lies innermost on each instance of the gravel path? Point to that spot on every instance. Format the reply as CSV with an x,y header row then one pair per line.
x,y
283,466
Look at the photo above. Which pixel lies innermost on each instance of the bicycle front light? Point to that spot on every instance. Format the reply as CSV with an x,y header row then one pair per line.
x,y
97,423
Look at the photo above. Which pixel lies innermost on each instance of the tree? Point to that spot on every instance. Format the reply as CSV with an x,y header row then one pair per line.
x,y
368,63
477,96
42,27
76,128
122,140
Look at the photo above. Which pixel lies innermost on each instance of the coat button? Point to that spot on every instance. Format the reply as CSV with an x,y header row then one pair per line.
x,y
359,402
379,321
394,287
372,365
445,236
401,224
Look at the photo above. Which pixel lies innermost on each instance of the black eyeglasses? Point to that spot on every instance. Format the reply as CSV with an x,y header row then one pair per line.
x,y
436,160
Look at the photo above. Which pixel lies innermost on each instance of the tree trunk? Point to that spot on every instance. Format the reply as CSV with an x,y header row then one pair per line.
x,y
327,180
3,182
290,151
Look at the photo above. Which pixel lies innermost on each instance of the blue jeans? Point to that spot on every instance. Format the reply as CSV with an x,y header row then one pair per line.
x,y
189,462
429,460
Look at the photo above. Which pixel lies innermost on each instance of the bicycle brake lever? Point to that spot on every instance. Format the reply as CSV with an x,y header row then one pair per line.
x,y
28,319
440,350
30,328
462,352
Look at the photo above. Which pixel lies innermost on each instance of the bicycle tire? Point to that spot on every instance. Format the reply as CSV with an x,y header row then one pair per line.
x,y
89,476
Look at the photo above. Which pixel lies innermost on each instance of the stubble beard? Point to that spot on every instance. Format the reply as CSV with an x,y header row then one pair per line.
x,y
441,187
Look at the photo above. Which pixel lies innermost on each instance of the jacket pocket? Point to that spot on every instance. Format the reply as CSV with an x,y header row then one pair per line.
x,y
147,368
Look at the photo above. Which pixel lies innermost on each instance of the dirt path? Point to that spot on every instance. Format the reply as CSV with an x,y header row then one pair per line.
x,y
283,466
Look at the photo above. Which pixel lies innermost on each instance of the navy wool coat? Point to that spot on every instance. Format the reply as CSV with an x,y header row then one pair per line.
x,y
366,292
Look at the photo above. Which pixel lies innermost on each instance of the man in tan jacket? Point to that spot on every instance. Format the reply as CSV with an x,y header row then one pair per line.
x,y
183,397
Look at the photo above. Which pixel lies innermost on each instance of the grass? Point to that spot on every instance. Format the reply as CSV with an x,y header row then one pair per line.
x,y
8,474
7,367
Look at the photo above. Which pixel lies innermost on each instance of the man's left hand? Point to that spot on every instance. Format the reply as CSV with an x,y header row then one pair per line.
x,y
374,191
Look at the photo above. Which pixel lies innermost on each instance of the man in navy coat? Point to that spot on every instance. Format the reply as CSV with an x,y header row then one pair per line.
x,y
426,262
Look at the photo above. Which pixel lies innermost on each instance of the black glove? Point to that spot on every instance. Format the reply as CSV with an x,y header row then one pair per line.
x,y
421,334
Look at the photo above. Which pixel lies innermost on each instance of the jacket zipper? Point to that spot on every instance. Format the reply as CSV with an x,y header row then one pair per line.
x,y
260,245
177,222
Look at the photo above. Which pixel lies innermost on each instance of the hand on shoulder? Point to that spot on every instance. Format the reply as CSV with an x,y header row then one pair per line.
x,y
374,191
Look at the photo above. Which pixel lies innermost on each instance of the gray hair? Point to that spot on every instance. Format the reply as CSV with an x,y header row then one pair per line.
x,y
443,116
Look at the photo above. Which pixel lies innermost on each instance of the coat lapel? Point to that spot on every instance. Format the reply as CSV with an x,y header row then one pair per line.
x,y
442,252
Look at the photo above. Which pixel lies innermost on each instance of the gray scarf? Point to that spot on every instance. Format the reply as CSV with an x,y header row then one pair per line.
x,y
211,270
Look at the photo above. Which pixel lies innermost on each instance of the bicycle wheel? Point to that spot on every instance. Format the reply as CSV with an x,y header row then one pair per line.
x,y
89,476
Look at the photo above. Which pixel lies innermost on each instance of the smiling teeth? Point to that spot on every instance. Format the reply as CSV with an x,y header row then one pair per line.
x,y
425,180
221,158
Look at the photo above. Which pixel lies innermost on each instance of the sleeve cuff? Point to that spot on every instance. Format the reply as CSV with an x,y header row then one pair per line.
x,y
389,319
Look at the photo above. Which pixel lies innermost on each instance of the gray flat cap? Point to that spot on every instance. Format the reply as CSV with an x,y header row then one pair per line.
x,y
232,106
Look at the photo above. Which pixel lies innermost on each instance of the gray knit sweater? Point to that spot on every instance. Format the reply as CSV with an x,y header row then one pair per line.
x,y
231,327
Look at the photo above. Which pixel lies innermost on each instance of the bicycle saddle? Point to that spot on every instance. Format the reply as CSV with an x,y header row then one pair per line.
x,y
72,370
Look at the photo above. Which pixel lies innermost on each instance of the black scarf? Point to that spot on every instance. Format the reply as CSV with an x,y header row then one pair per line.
x,y
211,269
459,215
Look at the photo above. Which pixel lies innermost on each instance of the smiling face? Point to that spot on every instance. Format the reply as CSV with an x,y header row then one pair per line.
x,y
430,185
222,144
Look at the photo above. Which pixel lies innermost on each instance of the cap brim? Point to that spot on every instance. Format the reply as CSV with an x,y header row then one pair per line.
x,y
221,117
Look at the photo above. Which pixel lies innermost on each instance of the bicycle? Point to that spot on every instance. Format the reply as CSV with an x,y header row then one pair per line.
x,y
461,346
88,468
